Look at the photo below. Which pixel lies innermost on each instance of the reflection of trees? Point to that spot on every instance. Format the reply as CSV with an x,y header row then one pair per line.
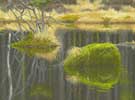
x,y
24,71
41,90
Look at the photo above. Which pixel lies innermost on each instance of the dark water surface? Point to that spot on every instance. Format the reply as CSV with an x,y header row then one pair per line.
x,y
31,78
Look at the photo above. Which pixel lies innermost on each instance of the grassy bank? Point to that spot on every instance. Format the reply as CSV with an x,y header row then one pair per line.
x,y
83,16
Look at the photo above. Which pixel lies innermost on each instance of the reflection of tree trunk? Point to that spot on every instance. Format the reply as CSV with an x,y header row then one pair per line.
x,y
9,2
69,1
23,76
97,94
43,21
9,70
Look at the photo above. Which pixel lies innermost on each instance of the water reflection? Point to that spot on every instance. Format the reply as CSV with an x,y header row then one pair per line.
x,y
41,90
27,71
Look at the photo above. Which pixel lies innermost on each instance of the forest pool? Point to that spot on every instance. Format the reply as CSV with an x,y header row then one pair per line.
x,y
28,77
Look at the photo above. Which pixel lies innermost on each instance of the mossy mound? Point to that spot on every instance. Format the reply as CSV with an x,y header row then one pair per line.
x,y
36,45
95,65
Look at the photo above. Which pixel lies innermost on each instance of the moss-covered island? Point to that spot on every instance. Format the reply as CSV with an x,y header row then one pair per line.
x,y
97,65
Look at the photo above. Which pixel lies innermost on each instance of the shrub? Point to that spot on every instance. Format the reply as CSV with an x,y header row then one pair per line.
x,y
95,65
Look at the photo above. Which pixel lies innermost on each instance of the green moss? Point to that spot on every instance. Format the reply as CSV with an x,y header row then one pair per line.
x,y
95,65
41,90
40,3
69,18
32,45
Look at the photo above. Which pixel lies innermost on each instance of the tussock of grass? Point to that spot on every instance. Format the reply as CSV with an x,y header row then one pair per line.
x,y
44,46
101,16
75,51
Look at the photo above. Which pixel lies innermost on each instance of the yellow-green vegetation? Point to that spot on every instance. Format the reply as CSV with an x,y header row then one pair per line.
x,y
84,5
41,90
69,18
107,27
102,15
100,20
84,15
13,20
97,64
6,16
88,15
38,44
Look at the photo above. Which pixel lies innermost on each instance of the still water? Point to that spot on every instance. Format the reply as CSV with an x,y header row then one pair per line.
x,y
24,77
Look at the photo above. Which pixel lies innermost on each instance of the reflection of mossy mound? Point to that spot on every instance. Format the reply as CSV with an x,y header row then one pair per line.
x,y
96,65
36,45
41,90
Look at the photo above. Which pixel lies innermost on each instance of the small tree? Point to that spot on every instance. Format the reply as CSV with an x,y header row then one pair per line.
x,y
36,12
41,5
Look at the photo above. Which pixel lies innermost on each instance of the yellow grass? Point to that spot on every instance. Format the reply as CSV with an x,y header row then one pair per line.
x,y
100,27
101,15
81,16
83,5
